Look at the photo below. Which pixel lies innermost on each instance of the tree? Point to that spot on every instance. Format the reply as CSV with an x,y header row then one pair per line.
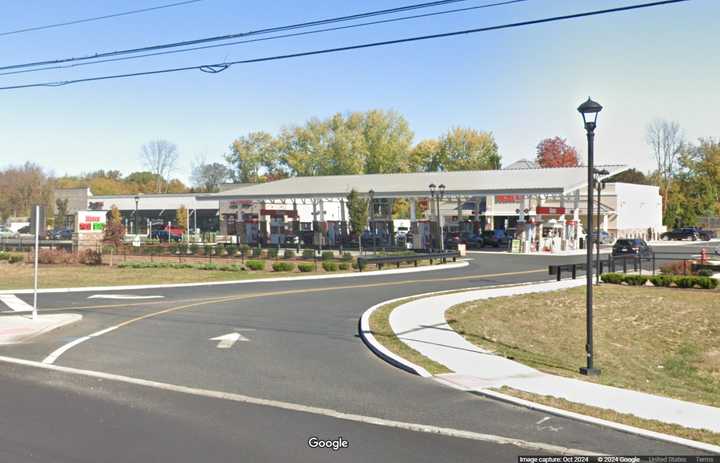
x,y
253,155
358,212
23,186
666,143
209,176
425,156
629,176
61,212
182,217
160,157
556,152
467,149
114,231
387,139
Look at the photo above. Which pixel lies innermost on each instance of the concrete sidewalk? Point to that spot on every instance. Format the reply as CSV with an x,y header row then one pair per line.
x,y
421,325
20,328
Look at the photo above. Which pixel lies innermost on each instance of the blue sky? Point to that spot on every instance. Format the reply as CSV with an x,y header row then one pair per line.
x,y
522,84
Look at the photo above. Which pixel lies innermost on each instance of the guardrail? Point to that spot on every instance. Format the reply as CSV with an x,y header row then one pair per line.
x,y
380,261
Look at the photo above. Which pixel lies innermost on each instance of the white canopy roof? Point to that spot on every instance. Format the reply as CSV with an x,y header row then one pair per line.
x,y
562,180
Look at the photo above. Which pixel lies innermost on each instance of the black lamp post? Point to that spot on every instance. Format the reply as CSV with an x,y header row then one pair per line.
x,y
589,111
600,184
371,193
137,201
437,193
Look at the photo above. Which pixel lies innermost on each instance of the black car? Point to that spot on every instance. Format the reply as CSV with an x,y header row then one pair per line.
x,y
631,247
687,233
61,234
472,240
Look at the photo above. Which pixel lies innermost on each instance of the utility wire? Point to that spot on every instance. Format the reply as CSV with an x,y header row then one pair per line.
x,y
217,67
269,30
274,37
96,18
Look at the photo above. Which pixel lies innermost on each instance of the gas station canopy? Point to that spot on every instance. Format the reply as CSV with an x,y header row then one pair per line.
x,y
471,183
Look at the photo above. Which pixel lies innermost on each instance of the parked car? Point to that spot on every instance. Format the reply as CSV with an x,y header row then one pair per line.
x,y
472,240
631,247
495,238
166,233
604,237
686,233
61,234
8,233
452,240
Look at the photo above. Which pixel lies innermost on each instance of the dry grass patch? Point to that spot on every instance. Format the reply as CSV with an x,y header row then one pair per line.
x,y
658,340
701,435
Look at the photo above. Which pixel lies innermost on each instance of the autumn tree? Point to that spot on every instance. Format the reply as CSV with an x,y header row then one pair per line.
x,y
467,149
556,152
424,157
160,158
182,218
23,186
61,212
114,231
253,155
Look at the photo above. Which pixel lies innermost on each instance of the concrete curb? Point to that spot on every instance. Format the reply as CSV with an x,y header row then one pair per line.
x,y
425,268
408,366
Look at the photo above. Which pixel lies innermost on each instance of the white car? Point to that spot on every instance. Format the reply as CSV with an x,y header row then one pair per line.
x,y
7,233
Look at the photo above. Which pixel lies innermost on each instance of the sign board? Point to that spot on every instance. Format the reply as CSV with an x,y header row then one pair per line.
x,y
515,246
550,210
91,221
236,203
508,198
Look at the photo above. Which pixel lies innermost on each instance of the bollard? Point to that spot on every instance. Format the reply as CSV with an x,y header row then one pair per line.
x,y
574,271
559,273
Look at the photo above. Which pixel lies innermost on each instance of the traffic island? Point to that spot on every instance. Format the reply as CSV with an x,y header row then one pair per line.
x,y
15,329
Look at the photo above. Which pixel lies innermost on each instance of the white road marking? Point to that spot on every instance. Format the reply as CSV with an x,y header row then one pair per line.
x,y
228,340
122,296
15,303
416,427
58,352
543,420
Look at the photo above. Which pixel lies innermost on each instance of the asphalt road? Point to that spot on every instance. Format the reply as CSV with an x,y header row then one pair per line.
x,y
303,350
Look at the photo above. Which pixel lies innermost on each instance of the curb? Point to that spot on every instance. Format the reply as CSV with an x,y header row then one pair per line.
x,y
426,268
394,359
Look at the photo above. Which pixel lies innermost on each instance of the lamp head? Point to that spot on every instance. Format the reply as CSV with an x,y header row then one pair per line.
x,y
589,111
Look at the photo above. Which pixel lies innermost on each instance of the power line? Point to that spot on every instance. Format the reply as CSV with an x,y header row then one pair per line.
x,y
269,30
218,67
97,18
274,37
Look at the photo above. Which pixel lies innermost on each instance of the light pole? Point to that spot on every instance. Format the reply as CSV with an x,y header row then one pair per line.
x,y
371,193
600,185
137,202
589,111
437,193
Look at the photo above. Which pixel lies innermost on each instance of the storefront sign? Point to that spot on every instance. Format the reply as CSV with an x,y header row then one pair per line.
x,y
508,198
278,213
236,203
91,221
550,210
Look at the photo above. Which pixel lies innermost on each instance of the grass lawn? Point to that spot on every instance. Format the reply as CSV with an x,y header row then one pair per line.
x,y
658,340
20,276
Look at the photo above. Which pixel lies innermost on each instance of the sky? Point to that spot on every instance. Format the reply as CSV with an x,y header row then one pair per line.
x,y
522,84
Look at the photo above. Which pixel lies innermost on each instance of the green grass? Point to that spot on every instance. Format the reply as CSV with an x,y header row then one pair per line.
x,y
662,341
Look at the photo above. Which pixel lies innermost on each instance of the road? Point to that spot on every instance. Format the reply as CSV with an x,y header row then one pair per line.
x,y
303,372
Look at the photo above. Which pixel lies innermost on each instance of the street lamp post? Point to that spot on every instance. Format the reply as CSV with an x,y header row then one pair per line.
x,y
137,202
600,185
437,193
371,193
589,111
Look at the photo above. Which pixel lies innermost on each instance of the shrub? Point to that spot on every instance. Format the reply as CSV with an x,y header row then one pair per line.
x,y
244,248
329,266
90,257
636,280
675,268
209,250
182,248
612,278
272,253
4,255
255,265
328,255
306,267
704,273
289,254
220,249
15,258
680,281
308,254
207,267
231,250
344,266
194,249
347,257
257,252
54,256
283,267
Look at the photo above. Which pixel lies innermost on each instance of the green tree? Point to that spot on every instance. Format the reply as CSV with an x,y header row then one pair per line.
x,y
425,156
358,211
387,138
630,176
467,149
252,156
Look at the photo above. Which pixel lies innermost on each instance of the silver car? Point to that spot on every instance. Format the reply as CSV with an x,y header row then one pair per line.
x,y
7,233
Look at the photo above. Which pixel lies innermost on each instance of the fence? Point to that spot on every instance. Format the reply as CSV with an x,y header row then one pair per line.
x,y
379,261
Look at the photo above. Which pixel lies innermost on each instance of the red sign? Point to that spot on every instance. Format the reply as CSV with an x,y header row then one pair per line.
x,y
85,226
550,210
92,218
508,198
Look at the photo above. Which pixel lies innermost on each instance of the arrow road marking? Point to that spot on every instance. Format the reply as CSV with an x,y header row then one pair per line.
x,y
122,296
228,340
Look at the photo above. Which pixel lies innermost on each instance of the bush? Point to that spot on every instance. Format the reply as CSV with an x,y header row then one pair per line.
x,y
244,248
612,278
636,280
347,257
328,255
306,267
329,266
231,250
255,265
182,249
55,256
308,254
257,252
675,268
344,266
15,258
283,267
704,273
90,257
272,253
220,250
689,281
4,255
194,249
289,254
208,250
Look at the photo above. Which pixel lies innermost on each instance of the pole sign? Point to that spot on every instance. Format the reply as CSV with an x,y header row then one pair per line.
x,y
91,221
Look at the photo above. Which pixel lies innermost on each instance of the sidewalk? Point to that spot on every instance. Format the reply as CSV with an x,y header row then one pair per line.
x,y
421,325
19,328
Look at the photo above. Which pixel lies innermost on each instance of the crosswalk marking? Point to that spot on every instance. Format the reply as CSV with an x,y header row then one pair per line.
x,y
15,303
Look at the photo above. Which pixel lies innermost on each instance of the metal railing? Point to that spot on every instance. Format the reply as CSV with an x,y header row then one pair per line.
x,y
414,258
